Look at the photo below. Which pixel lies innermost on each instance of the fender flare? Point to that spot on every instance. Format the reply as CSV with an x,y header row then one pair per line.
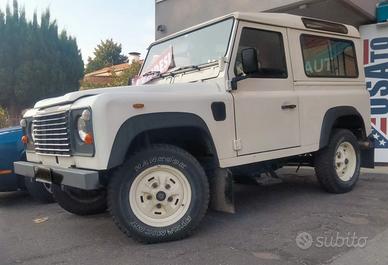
x,y
330,118
145,122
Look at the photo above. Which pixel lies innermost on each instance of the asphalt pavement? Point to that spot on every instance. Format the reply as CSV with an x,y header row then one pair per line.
x,y
291,222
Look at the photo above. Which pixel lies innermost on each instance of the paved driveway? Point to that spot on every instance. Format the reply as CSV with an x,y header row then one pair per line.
x,y
264,230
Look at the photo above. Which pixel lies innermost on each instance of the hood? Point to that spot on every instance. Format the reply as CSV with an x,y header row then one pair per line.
x,y
11,135
74,96
10,130
144,89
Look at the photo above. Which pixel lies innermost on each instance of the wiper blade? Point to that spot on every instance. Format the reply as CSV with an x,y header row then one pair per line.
x,y
189,67
157,73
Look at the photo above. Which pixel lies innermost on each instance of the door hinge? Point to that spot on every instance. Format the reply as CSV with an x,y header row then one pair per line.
x,y
237,146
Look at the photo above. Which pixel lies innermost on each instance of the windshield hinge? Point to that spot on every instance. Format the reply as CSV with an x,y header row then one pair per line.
x,y
229,86
237,145
221,63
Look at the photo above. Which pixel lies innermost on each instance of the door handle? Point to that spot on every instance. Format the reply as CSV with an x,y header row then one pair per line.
x,y
291,106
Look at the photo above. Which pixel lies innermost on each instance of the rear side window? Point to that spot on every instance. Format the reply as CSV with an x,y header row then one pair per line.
x,y
328,57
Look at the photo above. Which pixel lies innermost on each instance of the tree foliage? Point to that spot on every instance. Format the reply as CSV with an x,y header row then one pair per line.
x,y
106,54
36,61
3,118
117,80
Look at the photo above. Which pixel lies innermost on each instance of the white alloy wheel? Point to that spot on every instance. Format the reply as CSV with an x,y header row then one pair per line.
x,y
160,196
345,161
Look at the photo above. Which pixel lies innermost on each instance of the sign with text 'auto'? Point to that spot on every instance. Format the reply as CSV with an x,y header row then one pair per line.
x,y
375,41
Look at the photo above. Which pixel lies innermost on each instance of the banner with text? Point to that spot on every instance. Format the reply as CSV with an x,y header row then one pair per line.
x,y
160,64
375,45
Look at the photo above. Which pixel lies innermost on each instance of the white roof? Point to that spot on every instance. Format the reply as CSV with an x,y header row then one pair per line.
x,y
275,19
289,21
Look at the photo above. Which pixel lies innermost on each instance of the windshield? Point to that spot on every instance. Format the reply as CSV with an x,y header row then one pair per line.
x,y
202,46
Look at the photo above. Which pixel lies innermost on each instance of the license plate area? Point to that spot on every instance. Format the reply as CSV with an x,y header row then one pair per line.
x,y
43,174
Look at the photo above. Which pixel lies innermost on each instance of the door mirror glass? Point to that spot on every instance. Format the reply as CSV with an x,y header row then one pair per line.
x,y
249,61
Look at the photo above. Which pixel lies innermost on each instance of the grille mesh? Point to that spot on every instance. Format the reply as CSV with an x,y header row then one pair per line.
x,y
51,134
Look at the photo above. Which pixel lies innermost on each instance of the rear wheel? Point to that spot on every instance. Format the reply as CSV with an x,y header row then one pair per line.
x,y
159,194
337,166
41,192
80,202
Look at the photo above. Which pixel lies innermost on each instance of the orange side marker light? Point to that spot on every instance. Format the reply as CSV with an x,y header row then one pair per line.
x,y
5,172
138,106
24,139
88,139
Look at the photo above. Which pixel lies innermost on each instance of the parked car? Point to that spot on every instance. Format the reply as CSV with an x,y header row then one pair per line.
x,y
11,150
244,92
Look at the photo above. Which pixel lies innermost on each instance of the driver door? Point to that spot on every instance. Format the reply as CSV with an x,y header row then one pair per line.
x,y
266,105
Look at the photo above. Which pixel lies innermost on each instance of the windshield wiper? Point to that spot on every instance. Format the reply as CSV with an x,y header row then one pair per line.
x,y
189,67
183,68
157,73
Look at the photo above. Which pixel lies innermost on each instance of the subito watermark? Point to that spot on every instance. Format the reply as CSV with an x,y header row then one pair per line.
x,y
305,241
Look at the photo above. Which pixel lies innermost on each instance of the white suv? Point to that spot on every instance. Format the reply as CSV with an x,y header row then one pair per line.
x,y
247,92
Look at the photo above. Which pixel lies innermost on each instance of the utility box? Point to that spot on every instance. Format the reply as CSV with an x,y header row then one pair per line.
x,y
382,12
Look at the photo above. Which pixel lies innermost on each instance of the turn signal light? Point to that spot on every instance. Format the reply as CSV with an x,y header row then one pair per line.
x,y
88,139
24,139
138,106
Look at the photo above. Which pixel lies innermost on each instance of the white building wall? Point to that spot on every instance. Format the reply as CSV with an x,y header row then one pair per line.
x,y
175,15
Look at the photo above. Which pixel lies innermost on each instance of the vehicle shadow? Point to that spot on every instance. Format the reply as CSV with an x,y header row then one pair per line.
x,y
259,200
10,199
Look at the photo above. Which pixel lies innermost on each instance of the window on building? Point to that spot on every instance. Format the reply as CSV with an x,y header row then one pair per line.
x,y
326,57
270,52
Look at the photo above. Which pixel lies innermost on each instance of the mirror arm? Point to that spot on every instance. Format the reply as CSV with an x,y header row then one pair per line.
x,y
235,80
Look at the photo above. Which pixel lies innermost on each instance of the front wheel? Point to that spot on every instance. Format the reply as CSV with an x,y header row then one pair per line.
x,y
80,202
337,166
160,194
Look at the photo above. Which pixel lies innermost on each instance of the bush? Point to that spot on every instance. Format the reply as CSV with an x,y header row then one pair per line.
x,y
3,118
116,80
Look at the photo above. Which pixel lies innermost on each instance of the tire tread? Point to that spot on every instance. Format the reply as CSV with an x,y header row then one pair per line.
x,y
115,182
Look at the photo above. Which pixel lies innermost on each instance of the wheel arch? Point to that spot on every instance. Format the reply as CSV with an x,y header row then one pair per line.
x,y
344,117
144,126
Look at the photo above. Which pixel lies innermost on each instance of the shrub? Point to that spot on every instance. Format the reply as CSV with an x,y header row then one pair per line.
x,y
3,118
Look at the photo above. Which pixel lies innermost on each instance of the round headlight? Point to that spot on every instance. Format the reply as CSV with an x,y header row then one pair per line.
x,y
23,123
85,115
82,128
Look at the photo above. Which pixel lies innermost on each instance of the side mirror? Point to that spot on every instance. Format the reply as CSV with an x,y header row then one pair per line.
x,y
249,61
250,65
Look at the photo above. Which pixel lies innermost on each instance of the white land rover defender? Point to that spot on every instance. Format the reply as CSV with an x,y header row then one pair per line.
x,y
247,92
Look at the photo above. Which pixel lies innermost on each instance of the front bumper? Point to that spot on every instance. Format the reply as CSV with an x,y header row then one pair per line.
x,y
73,177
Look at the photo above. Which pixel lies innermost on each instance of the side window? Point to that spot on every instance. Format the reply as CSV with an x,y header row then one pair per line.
x,y
270,52
327,57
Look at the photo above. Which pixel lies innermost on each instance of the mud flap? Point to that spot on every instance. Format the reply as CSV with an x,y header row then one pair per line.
x,y
222,191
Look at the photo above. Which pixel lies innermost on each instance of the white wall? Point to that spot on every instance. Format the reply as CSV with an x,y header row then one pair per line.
x,y
176,15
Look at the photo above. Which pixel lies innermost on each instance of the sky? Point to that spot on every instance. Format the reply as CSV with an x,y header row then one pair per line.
x,y
129,22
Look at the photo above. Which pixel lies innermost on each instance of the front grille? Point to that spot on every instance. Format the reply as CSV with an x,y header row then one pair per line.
x,y
51,134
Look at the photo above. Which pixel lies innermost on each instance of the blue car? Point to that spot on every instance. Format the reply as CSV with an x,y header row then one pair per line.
x,y
12,149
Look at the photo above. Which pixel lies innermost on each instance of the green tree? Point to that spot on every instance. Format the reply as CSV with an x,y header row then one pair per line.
x,y
117,80
3,118
131,72
36,61
106,54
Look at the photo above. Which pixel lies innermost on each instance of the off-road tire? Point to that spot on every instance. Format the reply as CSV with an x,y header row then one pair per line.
x,y
80,202
325,163
139,163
